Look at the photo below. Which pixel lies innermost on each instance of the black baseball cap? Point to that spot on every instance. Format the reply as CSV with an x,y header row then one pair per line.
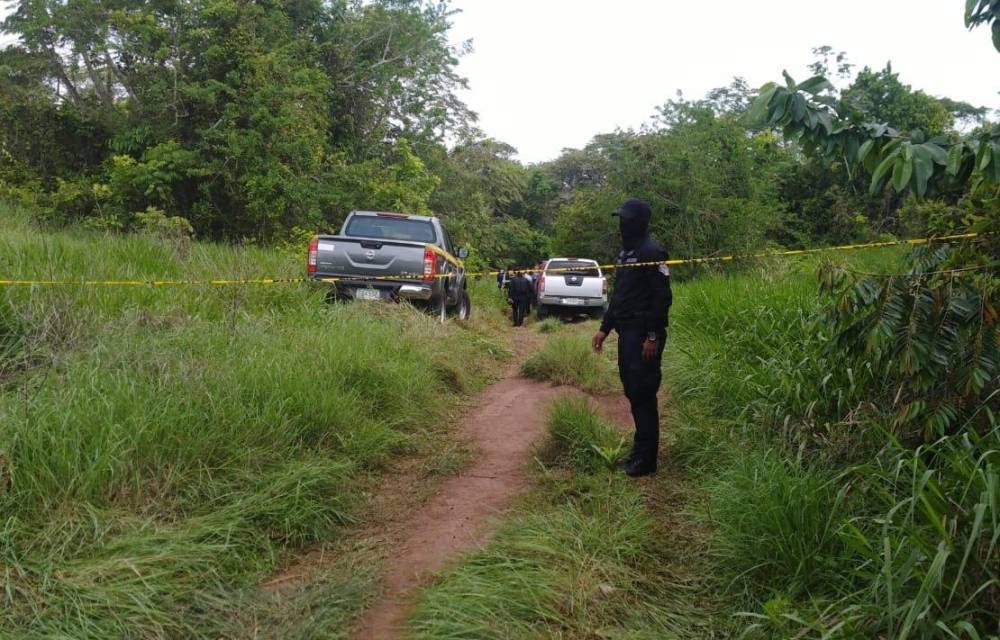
x,y
633,206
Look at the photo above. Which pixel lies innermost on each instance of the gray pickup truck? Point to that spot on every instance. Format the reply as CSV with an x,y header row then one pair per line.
x,y
393,256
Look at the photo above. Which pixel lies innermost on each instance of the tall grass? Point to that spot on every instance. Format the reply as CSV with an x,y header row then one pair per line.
x,y
580,559
580,439
825,525
162,448
566,358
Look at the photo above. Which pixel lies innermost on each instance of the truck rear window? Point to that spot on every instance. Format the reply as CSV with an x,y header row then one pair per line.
x,y
573,268
391,229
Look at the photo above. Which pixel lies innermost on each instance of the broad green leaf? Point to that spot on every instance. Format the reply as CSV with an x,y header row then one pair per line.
x,y
923,169
996,164
798,107
780,107
970,9
815,84
955,156
865,150
985,156
902,171
788,81
878,177
938,154
761,104
996,35
826,121
850,147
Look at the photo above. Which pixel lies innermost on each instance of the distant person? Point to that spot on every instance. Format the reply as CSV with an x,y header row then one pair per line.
x,y
519,297
508,275
639,312
530,277
501,279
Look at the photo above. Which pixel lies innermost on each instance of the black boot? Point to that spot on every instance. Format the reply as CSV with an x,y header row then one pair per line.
x,y
625,462
638,468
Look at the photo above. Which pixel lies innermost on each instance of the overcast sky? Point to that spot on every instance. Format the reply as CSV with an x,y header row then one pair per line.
x,y
549,74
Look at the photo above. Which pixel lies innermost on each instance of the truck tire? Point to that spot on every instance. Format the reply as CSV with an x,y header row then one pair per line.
x,y
543,312
597,314
442,310
463,309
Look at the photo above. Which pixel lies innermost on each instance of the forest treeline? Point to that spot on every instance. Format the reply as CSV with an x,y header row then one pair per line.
x,y
268,121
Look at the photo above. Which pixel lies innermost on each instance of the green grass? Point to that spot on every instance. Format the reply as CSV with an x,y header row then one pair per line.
x,y
582,558
824,526
580,439
550,325
567,358
162,449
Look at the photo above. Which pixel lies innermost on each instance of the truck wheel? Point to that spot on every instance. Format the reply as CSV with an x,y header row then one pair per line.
x,y
443,307
463,309
598,313
543,312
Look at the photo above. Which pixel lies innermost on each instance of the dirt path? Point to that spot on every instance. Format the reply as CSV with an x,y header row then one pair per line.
x,y
500,430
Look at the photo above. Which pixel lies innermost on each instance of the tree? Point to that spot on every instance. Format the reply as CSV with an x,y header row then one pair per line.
x,y
883,98
932,334
249,119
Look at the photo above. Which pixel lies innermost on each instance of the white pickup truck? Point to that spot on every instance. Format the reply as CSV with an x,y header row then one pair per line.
x,y
572,286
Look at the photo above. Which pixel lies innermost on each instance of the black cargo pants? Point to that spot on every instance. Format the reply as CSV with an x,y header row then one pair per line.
x,y
519,307
641,381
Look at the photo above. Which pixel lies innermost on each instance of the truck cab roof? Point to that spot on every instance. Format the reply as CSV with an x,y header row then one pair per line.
x,y
394,214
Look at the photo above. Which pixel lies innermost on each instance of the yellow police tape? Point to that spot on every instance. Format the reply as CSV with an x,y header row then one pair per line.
x,y
448,257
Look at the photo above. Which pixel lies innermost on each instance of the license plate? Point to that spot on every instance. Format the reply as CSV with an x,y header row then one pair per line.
x,y
367,294
573,301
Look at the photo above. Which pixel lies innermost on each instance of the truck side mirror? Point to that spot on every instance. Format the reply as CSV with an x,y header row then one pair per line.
x,y
463,253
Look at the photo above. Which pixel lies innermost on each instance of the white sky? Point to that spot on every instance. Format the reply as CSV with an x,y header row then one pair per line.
x,y
549,74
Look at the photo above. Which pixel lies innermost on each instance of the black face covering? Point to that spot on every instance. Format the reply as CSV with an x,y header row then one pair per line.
x,y
634,226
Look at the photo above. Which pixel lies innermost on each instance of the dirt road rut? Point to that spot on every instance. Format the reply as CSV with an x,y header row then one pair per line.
x,y
501,430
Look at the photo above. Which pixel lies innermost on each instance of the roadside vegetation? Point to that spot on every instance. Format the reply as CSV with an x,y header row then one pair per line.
x,y
832,425
583,556
163,449
832,516
799,506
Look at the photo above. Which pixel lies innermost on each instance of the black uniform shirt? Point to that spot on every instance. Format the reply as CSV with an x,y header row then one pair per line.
x,y
641,297
520,288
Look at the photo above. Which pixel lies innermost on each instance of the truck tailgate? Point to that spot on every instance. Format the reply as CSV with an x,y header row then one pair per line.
x,y
573,285
361,257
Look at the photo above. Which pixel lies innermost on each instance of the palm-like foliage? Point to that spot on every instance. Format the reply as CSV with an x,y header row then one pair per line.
x,y
932,332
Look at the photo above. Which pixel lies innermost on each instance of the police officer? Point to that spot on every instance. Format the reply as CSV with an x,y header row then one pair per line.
x,y
639,311
519,297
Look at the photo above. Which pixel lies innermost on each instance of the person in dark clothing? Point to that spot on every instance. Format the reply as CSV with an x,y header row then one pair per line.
x,y
639,312
503,279
508,274
519,296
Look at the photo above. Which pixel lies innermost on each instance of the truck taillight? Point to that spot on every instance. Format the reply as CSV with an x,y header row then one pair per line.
x,y
604,286
541,284
430,265
313,251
